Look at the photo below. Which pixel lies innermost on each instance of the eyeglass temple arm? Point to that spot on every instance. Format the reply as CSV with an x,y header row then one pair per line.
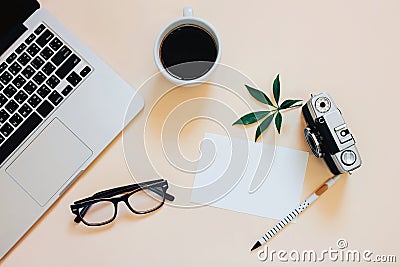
x,y
82,213
115,191
160,193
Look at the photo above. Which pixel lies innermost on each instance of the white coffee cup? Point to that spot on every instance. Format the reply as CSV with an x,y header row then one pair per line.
x,y
187,20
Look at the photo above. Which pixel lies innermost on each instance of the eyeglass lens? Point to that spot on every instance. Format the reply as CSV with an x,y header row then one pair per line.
x,y
146,200
100,212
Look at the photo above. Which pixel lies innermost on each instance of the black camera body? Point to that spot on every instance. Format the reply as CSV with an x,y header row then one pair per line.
x,y
327,135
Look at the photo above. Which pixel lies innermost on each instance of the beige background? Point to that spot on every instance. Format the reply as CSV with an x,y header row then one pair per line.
x,y
348,48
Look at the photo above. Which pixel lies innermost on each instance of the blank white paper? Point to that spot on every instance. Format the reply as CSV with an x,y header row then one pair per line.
x,y
230,169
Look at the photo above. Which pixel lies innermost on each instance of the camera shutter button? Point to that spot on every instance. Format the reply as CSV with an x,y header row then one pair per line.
x,y
348,157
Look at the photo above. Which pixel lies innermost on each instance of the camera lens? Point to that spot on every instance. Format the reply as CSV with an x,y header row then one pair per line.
x,y
313,142
348,157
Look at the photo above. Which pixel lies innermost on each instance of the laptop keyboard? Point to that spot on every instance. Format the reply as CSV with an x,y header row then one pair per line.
x,y
34,81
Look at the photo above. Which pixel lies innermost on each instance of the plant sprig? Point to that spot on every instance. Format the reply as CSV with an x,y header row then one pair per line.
x,y
267,115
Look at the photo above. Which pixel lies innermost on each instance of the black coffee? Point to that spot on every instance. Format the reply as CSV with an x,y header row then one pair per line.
x,y
188,52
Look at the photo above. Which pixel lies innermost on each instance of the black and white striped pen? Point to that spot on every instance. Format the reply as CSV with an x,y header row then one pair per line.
x,y
317,193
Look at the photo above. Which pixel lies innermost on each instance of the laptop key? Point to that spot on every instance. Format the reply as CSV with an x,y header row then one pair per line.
x,y
39,78
20,97
45,108
3,100
3,66
1,139
67,90
55,98
30,87
46,53
39,29
24,59
20,48
34,100
30,39
3,116
28,72
37,62
11,58
61,55
74,78
22,132
6,129
55,44
11,106
43,39
43,91
14,68
19,81
15,120
53,81
48,68
68,66
9,91
85,71
25,110
33,50
6,77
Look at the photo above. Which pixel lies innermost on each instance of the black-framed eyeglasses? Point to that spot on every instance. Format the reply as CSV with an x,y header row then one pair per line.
x,y
102,207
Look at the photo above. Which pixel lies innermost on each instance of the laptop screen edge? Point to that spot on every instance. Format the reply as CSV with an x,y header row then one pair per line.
x,y
11,22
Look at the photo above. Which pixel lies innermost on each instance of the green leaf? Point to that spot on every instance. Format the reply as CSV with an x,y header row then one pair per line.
x,y
296,106
252,117
278,122
260,96
263,126
288,103
277,89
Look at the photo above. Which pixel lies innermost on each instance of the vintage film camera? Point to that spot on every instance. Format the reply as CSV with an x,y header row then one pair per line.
x,y
327,135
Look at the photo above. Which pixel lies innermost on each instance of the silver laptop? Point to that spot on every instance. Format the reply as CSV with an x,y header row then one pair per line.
x,y
60,106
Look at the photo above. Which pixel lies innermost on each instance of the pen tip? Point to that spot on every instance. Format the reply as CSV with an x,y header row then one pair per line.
x,y
256,245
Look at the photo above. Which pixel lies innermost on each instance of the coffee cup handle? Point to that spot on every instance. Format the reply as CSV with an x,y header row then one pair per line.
x,y
188,11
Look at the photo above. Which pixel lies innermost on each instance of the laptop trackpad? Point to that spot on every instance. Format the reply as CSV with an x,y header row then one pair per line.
x,y
49,161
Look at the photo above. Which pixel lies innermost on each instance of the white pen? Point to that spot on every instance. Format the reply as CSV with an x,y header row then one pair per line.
x,y
317,193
